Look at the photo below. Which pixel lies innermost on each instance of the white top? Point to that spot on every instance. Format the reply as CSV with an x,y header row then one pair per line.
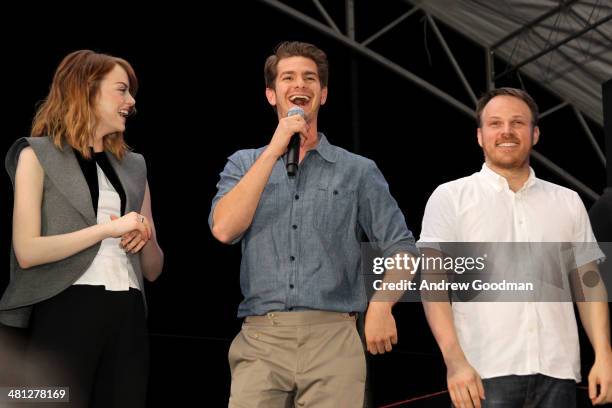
x,y
512,338
111,267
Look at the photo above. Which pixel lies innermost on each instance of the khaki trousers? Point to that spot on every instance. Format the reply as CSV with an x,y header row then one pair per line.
x,y
298,359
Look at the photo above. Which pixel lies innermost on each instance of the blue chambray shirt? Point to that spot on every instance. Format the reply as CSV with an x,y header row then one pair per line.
x,y
303,248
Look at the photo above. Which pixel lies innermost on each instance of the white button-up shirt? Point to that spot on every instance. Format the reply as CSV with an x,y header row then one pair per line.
x,y
111,267
512,338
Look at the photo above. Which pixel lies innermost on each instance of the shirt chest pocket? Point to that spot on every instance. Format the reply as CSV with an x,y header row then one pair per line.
x,y
267,206
333,209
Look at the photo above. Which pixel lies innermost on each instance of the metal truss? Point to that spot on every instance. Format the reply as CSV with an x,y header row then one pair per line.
x,y
330,29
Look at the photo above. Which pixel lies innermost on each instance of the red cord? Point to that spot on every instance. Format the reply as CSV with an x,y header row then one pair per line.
x,y
422,397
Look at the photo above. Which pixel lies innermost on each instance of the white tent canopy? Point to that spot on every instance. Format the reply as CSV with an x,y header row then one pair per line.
x,y
563,45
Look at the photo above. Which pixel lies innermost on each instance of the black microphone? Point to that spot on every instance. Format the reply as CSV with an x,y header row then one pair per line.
x,y
293,150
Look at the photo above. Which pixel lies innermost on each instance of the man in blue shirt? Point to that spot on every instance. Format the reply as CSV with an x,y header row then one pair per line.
x,y
301,241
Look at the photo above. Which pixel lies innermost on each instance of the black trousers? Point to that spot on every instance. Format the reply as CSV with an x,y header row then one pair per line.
x,y
93,341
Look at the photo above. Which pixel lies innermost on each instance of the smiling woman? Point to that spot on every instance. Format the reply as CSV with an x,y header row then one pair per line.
x,y
83,237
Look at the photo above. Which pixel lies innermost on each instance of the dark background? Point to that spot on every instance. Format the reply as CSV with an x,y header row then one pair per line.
x,y
201,98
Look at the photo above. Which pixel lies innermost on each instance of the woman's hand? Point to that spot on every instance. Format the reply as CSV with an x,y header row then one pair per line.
x,y
132,222
133,242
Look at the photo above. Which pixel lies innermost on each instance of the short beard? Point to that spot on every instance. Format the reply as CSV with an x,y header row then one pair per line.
x,y
514,164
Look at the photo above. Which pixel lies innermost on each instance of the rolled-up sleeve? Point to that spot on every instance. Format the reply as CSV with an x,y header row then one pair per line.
x,y
230,176
380,217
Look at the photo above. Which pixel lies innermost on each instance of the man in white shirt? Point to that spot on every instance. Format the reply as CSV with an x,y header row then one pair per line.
x,y
514,354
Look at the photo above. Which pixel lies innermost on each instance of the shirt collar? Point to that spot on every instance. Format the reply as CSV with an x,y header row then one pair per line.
x,y
499,183
325,149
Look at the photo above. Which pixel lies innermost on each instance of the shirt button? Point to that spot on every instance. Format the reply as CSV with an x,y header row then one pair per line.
x,y
294,226
291,286
292,258
297,196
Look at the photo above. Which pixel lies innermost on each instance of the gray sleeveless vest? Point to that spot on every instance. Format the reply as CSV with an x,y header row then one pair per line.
x,y
66,207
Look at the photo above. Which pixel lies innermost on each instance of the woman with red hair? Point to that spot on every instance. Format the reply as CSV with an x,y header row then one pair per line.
x,y
83,237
